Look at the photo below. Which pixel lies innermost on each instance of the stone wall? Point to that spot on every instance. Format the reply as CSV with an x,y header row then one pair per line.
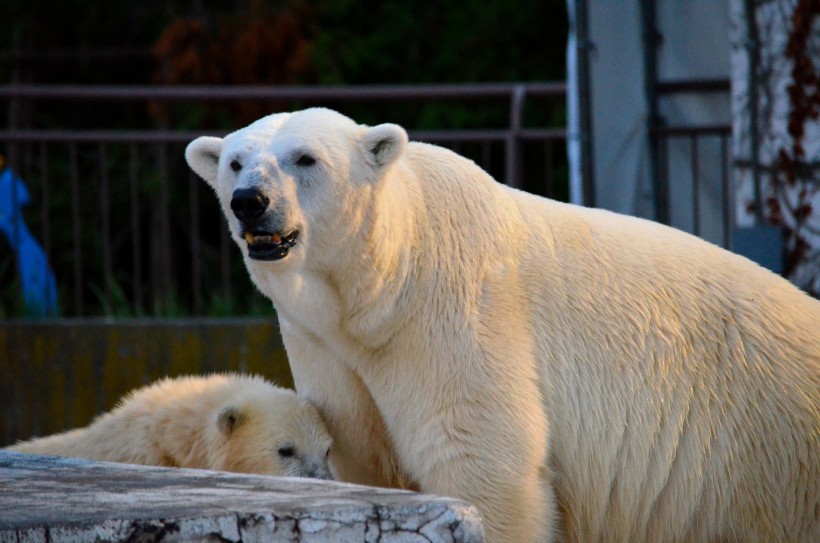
x,y
60,374
61,500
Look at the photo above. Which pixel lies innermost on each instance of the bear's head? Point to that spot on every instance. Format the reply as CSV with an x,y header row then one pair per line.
x,y
293,186
272,433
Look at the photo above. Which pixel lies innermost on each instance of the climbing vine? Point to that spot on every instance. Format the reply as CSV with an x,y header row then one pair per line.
x,y
794,184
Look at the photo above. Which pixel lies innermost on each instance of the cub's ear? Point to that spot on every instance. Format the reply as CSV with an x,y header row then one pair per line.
x,y
229,418
202,156
383,144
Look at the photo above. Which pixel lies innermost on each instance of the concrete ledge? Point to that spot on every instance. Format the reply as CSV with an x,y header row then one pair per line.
x,y
51,499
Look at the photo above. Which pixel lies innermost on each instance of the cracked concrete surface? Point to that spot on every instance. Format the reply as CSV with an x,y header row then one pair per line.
x,y
46,499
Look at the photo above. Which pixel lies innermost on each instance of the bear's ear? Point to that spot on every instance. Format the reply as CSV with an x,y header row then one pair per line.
x,y
202,155
383,144
229,418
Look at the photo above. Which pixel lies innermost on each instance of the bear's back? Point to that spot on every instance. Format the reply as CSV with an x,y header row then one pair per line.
x,y
716,358
701,371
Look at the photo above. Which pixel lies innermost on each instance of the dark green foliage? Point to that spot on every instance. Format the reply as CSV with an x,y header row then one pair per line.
x,y
405,41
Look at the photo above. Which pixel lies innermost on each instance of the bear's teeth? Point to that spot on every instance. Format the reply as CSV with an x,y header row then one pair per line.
x,y
251,239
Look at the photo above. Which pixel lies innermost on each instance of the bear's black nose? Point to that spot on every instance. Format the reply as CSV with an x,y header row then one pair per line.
x,y
248,204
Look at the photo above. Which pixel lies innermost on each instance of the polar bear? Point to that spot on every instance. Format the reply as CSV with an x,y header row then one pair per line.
x,y
576,374
225,422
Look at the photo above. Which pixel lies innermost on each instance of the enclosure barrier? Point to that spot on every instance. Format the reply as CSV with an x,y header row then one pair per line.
x,y
697,137
129,232
59,374
122,220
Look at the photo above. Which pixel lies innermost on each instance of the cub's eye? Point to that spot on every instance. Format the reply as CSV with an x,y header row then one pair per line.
x,y
286,452
305,160
327,453
235,165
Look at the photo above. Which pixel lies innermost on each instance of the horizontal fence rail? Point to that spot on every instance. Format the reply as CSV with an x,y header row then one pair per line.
x,y
512,136
290,92
180,136
130,231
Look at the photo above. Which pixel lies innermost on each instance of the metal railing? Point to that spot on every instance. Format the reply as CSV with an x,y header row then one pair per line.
x,y
512,136
124,238
697,136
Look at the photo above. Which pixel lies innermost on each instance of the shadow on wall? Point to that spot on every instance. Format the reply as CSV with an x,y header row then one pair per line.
x,y
59,374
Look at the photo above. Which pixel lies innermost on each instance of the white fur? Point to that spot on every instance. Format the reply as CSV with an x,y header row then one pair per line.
x,y
221,422
576,374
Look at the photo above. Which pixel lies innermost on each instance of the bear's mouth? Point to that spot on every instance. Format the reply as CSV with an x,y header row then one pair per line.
x,y
269,245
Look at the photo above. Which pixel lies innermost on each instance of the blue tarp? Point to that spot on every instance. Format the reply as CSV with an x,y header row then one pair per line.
x,y
37,280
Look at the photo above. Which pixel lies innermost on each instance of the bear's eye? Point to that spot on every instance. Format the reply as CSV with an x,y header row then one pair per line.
x,y
305,160
235,165
327,452
286,452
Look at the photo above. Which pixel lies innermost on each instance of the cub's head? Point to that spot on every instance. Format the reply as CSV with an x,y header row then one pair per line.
x,y
269,430
294,185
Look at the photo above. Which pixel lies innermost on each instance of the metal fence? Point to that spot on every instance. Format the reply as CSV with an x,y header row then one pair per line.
x,y
697,137
707,161
129,230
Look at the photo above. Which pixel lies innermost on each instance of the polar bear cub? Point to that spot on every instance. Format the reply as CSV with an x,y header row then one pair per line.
x,y
222,422
574,373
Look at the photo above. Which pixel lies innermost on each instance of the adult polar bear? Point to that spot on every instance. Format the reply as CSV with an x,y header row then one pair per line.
x,y
574,373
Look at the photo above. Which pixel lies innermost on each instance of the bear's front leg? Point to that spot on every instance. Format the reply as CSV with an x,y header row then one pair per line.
x,y
362,451
511,488
481,437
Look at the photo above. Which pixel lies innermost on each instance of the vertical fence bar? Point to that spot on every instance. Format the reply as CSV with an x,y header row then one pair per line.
x,y
516,107
164,226
154,277
77,229
693,142
651,40
27,167
16,216
728,193
663,172
486,155
105,213
549,167
16,210
225,265
196,252
585,49
136,238
13,155
45,216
